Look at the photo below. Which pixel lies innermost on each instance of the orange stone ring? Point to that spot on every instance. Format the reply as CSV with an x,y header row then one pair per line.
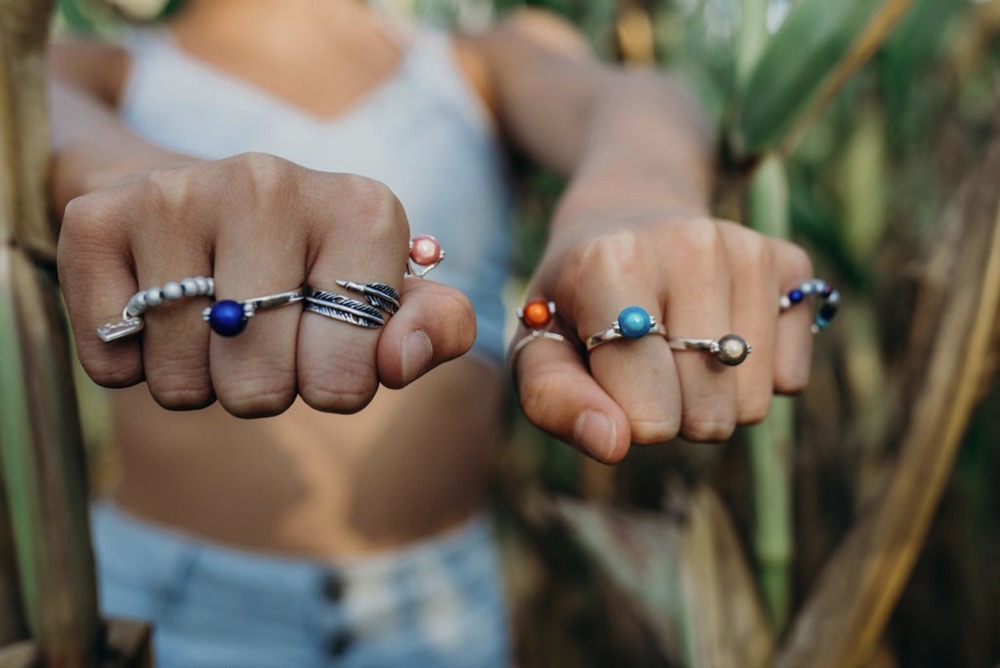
x,y
538,315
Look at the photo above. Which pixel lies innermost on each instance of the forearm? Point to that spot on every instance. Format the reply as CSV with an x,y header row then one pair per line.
x,y
631,141
92,147
646,148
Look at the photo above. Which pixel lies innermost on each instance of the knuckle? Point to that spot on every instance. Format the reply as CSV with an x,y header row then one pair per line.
x,y
753,408
261,389
797,260
115,373
377,205
710,419
167,192
646,432
701,240
752,247
180,390
257,401
707,429
454,307
536,391
346,387
261,175
611,257
791,381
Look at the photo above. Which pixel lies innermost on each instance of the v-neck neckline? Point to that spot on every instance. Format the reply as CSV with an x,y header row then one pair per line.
x,y
273,100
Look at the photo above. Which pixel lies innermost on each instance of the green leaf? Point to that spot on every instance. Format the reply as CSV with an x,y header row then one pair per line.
x,y
817,48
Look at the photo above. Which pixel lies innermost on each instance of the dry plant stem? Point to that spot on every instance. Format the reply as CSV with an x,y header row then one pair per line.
x,y
12,623
846,613
42,454
686,576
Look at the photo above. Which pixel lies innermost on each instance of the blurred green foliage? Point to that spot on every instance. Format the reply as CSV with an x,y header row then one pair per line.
x,y
867,184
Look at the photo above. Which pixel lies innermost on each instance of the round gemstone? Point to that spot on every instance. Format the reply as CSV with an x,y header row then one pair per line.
x,y
227,318
795,296
634,322
536,314
733,349
425,250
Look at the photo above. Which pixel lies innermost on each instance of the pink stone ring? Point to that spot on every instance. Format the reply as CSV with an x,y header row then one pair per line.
x,y
425,254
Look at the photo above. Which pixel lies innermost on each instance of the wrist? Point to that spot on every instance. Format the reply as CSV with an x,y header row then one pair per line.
x,y
80,169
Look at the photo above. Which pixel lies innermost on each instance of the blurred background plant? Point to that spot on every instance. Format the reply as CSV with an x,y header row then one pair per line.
x,y
686,554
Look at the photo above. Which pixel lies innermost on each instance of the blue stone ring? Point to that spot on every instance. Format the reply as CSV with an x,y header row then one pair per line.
x,y
229,317
827,301
634,322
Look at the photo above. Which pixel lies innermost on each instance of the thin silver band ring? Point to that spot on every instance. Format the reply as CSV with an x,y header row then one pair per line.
x,y
731,349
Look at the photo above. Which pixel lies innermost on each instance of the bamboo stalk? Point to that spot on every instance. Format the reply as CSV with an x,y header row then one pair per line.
x,y
846,614
771,442
40,440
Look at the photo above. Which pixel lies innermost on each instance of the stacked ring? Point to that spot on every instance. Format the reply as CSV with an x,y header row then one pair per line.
x,y
538,315
425,254
360,313
828,300
229,317
731,349
633,322
131,320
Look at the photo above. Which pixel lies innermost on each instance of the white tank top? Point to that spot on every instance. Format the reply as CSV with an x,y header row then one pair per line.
x,y
424,133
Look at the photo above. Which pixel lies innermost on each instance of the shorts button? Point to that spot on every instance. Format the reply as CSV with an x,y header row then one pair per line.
x,y
339,643
333,587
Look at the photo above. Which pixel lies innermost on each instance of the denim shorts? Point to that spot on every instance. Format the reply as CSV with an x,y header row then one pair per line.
x,y
439,603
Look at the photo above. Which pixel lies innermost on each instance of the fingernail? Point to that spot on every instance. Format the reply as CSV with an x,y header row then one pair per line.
x,y
595,433
417,353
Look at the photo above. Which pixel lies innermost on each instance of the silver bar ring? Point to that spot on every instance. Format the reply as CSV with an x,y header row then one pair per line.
x,y
229,317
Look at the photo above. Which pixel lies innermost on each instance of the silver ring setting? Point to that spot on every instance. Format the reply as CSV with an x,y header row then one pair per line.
x,y
425,254
731,349
132,322
634,322
538,315
365,313
827,301
229,317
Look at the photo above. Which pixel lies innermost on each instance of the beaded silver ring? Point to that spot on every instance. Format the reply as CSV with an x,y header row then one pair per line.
x,y
827,301
131,322
229,317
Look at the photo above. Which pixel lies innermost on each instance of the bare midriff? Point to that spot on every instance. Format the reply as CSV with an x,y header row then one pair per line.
x,y
409,466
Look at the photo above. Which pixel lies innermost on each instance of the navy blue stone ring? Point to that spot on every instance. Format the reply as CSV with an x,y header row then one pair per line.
x,y
827,301
633,322
229,317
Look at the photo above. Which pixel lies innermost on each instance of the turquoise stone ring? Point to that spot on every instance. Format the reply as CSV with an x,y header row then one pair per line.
x,y
634,322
